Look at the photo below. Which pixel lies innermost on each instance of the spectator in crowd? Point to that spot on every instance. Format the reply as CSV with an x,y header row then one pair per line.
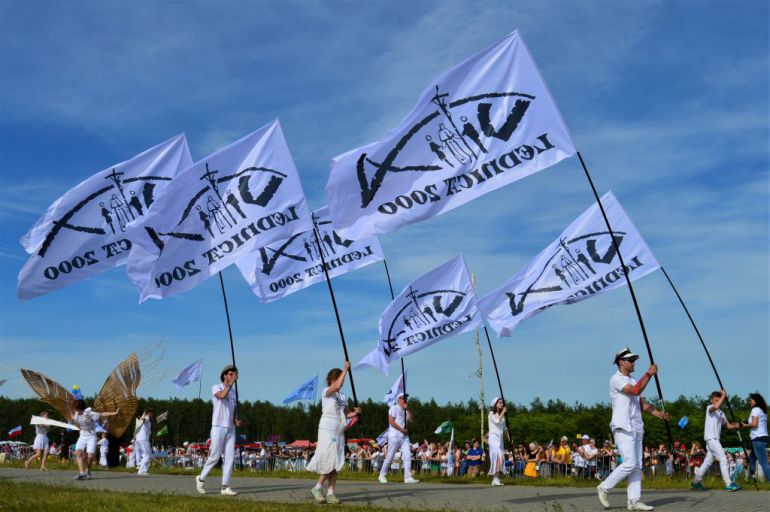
x,y
474,459
530,470
562,456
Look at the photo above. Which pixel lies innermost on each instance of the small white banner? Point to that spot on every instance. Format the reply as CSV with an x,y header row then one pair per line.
x,y
290,265
485,123
580,264
243,197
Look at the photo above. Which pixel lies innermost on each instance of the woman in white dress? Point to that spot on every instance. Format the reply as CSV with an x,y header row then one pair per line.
x,y
104,445
40,445
329,456
496,424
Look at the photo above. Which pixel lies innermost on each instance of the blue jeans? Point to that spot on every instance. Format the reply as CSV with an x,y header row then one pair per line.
x,y
759,453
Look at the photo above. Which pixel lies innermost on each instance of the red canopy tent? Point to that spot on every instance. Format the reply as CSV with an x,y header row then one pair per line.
x,y
301,443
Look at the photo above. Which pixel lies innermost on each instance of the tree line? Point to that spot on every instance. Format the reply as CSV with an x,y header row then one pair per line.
x,y
190,420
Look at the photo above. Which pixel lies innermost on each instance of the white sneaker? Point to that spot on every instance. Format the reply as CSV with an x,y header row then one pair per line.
x,y
639,506
411,480
199,485
497,482
226,491
382,479
604,497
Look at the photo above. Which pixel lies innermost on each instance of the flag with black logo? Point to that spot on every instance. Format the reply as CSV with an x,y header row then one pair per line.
x,y
292,264
487,122
234,201
580,264
84,232
396,389
433,307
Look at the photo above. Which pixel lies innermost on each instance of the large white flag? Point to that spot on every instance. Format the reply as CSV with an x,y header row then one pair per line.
x,y
292,264
234,201
581,263
431,308
83,233
487,122
396,389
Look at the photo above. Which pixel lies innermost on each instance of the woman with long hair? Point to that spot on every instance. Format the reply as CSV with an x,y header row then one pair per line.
x,y
329,457
757,422
496,424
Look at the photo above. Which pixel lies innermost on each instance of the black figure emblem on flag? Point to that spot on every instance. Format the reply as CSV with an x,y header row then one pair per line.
x,y
456,134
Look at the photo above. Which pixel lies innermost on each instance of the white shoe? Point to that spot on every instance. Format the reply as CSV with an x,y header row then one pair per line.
x,y
639,506
226,491
604,497
497,482
382,479
411,480
199,485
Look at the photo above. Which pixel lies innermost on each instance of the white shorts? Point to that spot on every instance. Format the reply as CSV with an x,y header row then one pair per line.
x,y
86,443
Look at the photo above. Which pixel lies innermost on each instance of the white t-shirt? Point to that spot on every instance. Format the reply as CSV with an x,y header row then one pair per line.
x,y
626,409
495,425
332,410
398,413
87,421
713,426
761,429
143,432
590,451
224,408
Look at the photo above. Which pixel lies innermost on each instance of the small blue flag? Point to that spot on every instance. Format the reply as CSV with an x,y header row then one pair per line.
x,y
307,391
683,422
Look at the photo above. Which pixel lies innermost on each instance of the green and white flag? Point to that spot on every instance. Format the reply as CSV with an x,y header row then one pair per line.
x,y
444,428
162,431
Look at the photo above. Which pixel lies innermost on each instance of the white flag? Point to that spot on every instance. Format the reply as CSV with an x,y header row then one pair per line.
x,y
581,263
83,233
487,122
396,389
431,308
192,373
243,197
292,264
376,358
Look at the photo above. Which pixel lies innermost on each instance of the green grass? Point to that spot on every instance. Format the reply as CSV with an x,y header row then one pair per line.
x,y
23,496
658,482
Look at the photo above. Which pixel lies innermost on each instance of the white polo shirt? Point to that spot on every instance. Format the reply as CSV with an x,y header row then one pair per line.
x,y
713,426
398,413
224,408
626,409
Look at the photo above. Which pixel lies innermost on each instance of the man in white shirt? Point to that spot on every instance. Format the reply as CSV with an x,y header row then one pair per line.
x,y
628,428
223,424
142,442
715,418
399,416
584,454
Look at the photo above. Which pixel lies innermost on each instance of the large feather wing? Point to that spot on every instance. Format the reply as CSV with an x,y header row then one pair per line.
x,y
50,392
119,390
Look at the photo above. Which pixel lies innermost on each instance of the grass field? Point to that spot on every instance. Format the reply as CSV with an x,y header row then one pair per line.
x,y
21,496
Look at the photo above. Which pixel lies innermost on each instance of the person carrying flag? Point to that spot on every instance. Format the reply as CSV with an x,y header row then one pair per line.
x,y
142,442
399,416
628,428
329,456
715,418
496,427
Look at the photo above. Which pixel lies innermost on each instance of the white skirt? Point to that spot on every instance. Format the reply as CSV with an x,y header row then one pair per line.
x,y
496,457
41,442
329,452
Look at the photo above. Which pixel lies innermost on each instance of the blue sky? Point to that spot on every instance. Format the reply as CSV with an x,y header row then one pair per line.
x,y
667,102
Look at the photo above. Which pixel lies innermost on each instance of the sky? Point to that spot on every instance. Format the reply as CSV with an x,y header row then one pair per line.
x,y
666,101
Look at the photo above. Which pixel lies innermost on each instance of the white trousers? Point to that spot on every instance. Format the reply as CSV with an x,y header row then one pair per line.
x,y
222,445
143,455
715,451
631,450
396,443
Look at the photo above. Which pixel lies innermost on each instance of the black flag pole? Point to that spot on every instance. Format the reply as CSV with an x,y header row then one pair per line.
x,y
317,238
232,355
713,366
392,298
633,295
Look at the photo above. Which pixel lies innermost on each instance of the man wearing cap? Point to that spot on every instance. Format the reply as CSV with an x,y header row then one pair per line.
x,y
585,457
628,428
399,416
223,423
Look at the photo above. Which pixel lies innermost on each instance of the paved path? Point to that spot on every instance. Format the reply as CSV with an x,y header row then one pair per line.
x,y
423,496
